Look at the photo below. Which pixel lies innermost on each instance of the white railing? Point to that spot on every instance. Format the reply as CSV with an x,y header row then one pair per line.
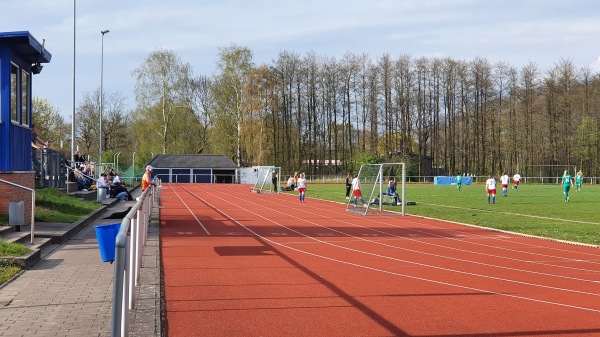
x,y
129,250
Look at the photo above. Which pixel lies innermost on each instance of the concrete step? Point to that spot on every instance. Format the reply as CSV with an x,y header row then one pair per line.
x,y
4,230
17,237
86,195
28,260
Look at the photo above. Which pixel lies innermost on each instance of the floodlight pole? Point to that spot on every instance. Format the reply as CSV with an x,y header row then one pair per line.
x,y
73,112
101,96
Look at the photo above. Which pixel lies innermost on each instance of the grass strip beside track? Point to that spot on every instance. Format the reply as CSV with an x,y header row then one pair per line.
x,y
534,209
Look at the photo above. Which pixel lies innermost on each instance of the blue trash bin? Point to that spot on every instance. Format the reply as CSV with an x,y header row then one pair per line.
x,y
107,240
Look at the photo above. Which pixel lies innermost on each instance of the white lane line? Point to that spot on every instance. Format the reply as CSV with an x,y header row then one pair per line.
x,y
191,212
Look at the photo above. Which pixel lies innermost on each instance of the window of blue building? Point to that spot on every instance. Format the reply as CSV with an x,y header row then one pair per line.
x,y
25,95
14,90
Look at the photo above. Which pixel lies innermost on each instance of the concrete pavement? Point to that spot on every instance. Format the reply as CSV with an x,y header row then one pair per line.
x,y
69,292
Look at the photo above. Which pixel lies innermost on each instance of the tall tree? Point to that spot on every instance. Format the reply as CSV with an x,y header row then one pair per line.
x,y
115,121
87,130
161,94
49,122
203,106
115,124
587,145
234,64
528,91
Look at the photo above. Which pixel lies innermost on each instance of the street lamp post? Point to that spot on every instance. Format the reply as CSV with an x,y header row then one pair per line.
x,y
101,97
73,112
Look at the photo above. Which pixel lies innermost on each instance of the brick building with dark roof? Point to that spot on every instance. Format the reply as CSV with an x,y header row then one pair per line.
x,y
194,168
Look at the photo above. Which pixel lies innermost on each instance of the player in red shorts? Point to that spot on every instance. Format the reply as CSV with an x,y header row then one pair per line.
x,y
356,190
504,182
301,187
490,186
516,179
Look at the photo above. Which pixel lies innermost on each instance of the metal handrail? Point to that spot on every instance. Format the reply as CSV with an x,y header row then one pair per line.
x,y
129,250
32,204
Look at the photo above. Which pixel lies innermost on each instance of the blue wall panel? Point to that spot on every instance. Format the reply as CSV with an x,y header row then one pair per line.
x,y
443,180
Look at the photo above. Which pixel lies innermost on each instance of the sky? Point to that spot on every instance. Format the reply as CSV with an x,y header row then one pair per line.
x,y
516,32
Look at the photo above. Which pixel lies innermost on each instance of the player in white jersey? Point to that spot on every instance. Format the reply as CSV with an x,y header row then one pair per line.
x,y
516,179
504,182
490,186
302,187
356,190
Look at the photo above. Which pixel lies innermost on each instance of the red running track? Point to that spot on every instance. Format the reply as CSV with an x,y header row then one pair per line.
x,y
237,263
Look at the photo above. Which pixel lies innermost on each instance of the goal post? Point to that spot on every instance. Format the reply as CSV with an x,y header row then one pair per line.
x,y
267,179
374,179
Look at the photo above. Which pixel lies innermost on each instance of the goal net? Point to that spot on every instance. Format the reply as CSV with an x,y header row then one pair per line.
x,y
374,180
267,179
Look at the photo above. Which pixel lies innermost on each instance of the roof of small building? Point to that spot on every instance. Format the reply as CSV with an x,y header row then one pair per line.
x,y
192,161
26,45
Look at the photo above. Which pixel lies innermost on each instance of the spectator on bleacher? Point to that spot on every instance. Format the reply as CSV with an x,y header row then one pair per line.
x,y
35,140
82,159
116,179
124,196
117,190
82,180
71,176
77,158
87,170
147,178
102,182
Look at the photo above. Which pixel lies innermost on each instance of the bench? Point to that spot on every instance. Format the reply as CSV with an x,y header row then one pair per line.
x,y
389,200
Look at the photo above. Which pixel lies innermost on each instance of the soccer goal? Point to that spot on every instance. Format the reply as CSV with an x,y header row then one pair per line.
x,y
267,179
374,179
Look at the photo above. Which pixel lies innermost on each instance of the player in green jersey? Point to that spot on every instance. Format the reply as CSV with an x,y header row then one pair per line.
x,y
567,181
459,181
578,180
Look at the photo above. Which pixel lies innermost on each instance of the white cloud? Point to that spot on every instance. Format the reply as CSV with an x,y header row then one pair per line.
x,y
596,65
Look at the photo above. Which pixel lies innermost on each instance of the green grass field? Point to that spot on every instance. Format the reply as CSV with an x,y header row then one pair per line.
x,y
534,209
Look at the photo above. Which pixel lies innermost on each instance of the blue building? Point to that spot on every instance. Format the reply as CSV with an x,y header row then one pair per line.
x,y
21,57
